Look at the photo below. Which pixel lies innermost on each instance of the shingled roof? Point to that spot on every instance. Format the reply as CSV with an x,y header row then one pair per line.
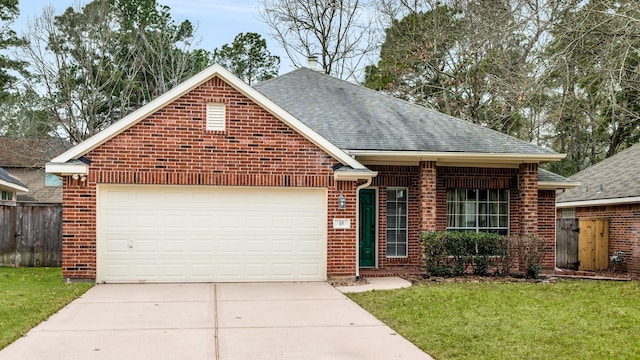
x,y
8,181
29,152
357,118
615,178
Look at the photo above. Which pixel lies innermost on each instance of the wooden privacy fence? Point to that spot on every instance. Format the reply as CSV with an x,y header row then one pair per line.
x,y
593,244
582,244
31,234
567,244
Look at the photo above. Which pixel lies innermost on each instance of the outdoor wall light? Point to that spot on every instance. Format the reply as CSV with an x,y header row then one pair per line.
x,y
75,176
342,202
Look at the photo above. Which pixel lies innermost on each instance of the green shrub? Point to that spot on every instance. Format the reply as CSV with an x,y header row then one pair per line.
x,y
530,250
450,253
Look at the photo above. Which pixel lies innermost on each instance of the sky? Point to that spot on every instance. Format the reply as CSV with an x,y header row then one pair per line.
x,y
217,21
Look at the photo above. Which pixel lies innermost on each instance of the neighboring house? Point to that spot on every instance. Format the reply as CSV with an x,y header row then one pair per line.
x,y
9,186
25,159
610,190
303,177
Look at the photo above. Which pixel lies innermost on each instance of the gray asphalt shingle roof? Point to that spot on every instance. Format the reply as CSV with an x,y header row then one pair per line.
x,y
612,178
357,118
4,175
548,176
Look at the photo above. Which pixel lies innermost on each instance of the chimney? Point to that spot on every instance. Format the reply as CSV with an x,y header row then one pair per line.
x,y
312,62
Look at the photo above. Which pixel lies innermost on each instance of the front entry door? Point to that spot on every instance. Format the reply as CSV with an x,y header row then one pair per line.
x,y
367,222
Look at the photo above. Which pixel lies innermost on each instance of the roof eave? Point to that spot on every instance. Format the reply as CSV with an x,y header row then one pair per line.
x,y
12,186
354,175
67,168
599,202
554,185
413,157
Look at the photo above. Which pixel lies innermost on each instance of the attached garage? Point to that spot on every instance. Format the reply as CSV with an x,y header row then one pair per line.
x,y
157,233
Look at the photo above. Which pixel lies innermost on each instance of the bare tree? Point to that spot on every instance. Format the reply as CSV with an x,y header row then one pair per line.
x,y
94,64
341,33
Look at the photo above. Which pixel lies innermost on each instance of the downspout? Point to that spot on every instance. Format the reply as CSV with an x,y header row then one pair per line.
x,y
358,188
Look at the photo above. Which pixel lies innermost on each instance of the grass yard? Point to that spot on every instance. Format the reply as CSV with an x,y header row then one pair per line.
x,y
30,295
570,319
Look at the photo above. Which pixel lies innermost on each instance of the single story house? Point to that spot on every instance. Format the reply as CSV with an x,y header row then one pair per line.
x,y
610,190
301,177
25,159
9,186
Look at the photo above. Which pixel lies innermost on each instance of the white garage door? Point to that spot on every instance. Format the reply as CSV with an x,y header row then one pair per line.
x,y
217,234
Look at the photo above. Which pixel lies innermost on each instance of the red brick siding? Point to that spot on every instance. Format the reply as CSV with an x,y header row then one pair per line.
x,y
547,227
624,230
428,195
528,186
171,146
341,250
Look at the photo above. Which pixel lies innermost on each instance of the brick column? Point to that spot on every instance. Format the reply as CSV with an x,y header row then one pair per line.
x,y
528,188
427,195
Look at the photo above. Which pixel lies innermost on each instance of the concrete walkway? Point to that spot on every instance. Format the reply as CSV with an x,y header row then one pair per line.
x,y
212,321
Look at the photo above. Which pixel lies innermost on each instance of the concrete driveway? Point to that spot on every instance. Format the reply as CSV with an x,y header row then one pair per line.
x,y
212,321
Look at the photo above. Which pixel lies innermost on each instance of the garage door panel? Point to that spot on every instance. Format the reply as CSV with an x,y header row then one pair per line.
x,y
174,233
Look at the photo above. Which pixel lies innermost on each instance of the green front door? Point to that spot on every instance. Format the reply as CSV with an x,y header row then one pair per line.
x,y
367,228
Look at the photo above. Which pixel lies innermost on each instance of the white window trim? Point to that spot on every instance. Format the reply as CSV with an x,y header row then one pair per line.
x,y
406,229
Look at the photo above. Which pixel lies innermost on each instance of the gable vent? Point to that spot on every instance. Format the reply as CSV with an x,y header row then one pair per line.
x,y
215,117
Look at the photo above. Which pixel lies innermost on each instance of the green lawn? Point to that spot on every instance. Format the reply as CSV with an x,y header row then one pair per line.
x,y
565,320
30,295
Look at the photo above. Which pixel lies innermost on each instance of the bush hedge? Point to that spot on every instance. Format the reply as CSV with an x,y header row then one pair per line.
x,y
451,253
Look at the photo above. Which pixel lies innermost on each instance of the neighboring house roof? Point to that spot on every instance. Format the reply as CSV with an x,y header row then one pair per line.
x,y
614,180
361,120
8,182
29,152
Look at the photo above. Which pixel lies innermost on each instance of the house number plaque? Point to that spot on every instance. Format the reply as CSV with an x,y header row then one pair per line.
x,y
341,223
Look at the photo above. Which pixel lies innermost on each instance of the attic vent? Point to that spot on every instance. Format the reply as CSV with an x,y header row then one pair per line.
x,y
215,117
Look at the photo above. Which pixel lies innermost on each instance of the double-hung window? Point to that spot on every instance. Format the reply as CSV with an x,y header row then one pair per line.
x,y
478,210
397,222
6,195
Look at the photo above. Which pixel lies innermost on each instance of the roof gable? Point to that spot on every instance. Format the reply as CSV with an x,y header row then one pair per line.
x,y
357,118
182,89
617,177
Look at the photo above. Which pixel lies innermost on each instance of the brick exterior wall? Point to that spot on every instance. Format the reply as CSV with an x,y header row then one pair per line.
x,y
171,147
547,227
624,231
528,186
428,196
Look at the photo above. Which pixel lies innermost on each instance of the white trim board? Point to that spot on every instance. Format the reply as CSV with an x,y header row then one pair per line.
x,y
599,202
